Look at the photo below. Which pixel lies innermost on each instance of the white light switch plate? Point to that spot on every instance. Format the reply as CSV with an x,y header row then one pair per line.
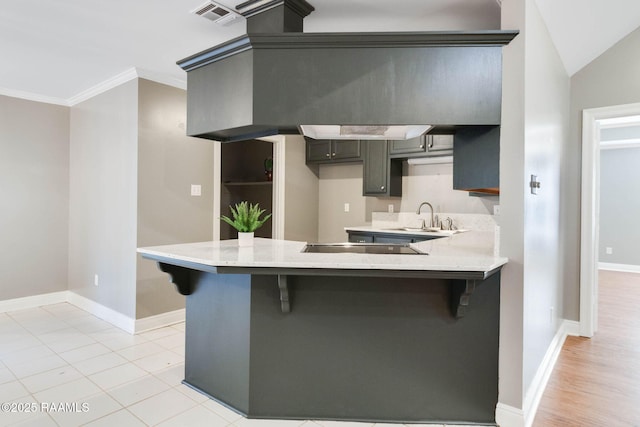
x,y
196,190
346,207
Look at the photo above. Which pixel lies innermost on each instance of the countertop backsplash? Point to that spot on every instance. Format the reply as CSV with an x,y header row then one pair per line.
x,y
476,222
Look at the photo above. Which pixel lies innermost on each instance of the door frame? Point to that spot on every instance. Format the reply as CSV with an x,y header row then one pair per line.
x,y
590,210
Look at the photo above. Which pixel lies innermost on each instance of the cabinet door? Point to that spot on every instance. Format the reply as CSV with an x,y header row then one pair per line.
x,y
476,165
382,176
408,146
390,239
360,238
345,149
440,145
375,168
318,150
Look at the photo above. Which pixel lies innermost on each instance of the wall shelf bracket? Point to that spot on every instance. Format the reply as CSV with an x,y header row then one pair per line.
x,y
283,285
461,291
180,276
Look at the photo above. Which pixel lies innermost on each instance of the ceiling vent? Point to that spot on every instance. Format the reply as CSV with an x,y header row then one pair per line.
x,y
215,12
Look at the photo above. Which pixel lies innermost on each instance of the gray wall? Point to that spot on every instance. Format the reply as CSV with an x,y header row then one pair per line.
x,y
103,198
168,163
342,183
620,133
534,139
611,79
34,183
620,205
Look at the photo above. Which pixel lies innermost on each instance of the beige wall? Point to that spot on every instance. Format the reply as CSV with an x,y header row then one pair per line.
x,y
301,189
168,163
103,198
611,79
342,183
34,184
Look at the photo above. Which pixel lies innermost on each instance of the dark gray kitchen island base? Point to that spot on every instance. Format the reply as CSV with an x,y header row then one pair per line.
x,y
351,348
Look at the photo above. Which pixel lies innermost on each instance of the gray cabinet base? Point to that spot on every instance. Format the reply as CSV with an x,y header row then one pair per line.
x,y
374,349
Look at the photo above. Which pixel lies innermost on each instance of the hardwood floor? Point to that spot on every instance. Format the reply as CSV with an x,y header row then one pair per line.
x,y
596,382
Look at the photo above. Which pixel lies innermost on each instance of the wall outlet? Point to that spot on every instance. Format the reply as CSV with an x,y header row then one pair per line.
x,y
346,207
96,281
196,190
608,251
496,210
390,209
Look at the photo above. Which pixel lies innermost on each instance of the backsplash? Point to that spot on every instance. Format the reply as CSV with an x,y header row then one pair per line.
x,y
476,222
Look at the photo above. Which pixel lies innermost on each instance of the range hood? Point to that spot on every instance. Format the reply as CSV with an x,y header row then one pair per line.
x,y
277,79
363,132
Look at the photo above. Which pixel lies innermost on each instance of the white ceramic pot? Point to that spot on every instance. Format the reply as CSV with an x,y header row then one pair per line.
x,y
245,239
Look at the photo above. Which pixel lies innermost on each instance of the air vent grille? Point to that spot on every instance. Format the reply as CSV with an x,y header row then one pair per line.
x,y
215,12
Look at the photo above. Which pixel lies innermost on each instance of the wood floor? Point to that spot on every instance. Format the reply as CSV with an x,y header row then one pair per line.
x,y
596,382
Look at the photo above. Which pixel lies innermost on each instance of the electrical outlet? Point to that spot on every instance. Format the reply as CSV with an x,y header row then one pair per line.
x,y
196,190
496,210
390,208
96,281
608,251
346,207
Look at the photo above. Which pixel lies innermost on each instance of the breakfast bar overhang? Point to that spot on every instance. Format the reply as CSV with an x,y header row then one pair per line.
x,y
275,333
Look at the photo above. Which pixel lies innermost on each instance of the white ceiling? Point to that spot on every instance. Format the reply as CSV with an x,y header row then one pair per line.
x,y
56,49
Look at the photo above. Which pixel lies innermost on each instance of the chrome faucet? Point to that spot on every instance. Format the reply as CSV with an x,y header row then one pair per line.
x,y
430,207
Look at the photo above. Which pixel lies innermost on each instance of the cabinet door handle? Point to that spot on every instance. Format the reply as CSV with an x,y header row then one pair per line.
x,y
333,154
328,155
382,187
421,145
431,144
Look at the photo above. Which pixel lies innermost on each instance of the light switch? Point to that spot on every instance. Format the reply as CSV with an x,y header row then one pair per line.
x,y
346,207
196,190
534,184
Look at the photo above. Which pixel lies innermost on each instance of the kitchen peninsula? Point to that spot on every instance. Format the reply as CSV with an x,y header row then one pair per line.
x,y
274,332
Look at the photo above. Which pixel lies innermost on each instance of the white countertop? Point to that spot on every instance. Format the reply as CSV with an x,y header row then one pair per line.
x,y
469,251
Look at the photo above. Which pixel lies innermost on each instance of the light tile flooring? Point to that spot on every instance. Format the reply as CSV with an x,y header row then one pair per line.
x,y
61,354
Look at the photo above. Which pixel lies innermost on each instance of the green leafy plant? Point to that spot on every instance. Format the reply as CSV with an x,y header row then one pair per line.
x,y
246,217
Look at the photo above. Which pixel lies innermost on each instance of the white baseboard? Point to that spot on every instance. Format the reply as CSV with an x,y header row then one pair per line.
x,y
159,320
33,301
619,267
508,416
105,313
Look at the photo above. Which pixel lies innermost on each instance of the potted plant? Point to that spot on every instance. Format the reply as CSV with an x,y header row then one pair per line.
x,y
246,219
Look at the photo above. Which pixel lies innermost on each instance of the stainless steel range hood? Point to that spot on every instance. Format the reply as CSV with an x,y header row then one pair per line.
x,y
382,132
279,80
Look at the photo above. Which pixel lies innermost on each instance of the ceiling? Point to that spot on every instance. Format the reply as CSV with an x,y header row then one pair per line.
x,y
56,50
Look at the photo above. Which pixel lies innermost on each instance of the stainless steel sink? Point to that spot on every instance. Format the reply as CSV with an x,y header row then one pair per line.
x,y
363,248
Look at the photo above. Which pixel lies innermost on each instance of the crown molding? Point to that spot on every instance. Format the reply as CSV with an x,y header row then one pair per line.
x,y
163,78
33,97
106,85
117,80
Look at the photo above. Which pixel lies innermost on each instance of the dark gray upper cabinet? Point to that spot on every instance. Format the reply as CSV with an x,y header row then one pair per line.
x,y
440,145
325,150
381,176
423,146
476,164
402,148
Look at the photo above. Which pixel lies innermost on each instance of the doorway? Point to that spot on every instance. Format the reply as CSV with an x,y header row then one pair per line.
x,y
594,120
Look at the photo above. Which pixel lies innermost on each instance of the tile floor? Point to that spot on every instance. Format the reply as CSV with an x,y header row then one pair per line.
x,y
62,354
